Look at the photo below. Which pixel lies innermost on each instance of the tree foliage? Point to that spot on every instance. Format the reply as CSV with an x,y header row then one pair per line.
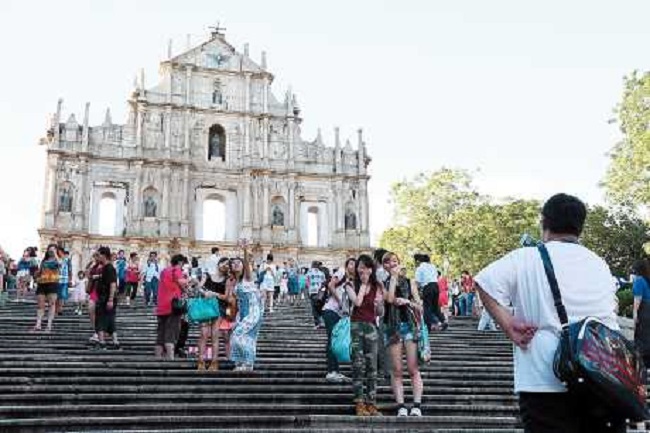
x,y
617,235
442,213
628,176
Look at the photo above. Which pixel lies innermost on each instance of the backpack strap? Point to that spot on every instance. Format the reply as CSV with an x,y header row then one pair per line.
x,y
552,281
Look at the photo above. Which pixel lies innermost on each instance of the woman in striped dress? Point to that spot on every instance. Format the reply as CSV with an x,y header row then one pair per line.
x,y
243,342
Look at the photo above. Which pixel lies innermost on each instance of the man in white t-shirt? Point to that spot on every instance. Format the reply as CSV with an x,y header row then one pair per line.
x,y
518,281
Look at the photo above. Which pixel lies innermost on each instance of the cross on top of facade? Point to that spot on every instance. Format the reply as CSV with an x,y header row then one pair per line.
x,y
217,30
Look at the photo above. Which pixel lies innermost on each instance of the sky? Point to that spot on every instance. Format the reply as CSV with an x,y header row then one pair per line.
x,y
518,92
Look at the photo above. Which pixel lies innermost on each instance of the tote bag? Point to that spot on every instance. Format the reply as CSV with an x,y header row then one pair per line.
x,y
341,340
202,310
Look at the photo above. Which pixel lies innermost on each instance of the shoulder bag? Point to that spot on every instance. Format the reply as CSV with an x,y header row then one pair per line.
x,y
597,362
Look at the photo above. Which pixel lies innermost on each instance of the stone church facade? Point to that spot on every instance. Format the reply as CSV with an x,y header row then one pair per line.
x,y
209,134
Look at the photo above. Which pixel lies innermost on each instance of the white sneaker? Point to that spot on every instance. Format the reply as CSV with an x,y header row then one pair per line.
x,y
332,377
415,411
343,378
402,411
94,338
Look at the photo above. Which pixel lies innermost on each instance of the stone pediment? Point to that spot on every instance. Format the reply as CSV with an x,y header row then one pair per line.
x,y
217,54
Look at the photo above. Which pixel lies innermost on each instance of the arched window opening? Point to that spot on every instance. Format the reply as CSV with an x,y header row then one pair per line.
x,y
65,197
312,227
214,219
107,215
217,143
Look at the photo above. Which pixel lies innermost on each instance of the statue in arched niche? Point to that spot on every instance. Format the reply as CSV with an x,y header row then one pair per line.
x,y
150,207
65,199
217,95
217,143
278,216
350,220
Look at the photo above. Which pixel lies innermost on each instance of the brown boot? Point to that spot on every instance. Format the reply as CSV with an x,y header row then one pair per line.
x,y
361,409
201,365
372,410
214,366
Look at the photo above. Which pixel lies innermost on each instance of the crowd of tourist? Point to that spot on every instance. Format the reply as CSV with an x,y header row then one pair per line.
x,y
390,316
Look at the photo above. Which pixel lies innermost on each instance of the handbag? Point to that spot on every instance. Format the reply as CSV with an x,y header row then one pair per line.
x,y
202,310
179,306
597,362
341,340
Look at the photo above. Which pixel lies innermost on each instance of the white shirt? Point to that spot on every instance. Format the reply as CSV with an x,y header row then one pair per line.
x,y
152,271
518,279
425,274
211,267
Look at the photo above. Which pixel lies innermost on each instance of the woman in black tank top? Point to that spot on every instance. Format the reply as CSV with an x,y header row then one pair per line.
x,y
402,333
213,289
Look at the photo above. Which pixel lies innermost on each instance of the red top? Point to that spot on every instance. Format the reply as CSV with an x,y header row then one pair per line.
x,y
443,287
132,273
366,312
168,289
468,283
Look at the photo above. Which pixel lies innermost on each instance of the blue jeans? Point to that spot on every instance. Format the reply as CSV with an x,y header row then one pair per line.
x,y
151,290
470,304
462,305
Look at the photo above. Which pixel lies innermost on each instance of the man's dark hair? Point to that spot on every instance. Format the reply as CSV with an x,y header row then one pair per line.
x,y
215,250
642,268
178,259
564,214
269,257
153,253
121,251
133,255
378,255
104,251
315,264
422,258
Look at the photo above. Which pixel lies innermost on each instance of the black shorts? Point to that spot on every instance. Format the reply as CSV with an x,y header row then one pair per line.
x,y
168,330
105,318
131,288
555,412
47,289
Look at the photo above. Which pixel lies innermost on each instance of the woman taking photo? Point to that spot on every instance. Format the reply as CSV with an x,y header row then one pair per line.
x,y
243,343
403,308
334,309
214,288
366,295
48,286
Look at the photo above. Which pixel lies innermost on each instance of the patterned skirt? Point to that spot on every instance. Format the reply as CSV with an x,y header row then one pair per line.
x,y
243,341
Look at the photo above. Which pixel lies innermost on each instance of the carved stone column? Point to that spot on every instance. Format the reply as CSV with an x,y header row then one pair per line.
x,y
164,221
136,202
185,203
80,196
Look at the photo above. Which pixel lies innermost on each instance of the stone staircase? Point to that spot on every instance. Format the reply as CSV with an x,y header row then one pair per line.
x,y
56,382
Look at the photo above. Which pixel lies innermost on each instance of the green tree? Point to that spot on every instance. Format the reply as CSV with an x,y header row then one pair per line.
x,y
617,235
628,175
441,213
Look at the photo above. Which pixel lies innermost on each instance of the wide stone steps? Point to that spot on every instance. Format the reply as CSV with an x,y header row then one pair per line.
x,y
57,382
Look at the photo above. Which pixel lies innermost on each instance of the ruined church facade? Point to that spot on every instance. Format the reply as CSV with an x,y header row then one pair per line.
x,y
209,135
